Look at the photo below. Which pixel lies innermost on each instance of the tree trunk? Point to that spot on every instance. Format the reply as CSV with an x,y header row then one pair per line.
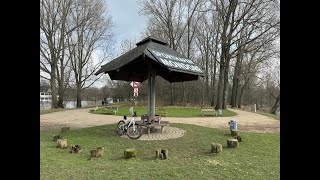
x,y
235,81
225,86
237,71
213,85
203,95
61,86
214,75
234,91
61,97
53,89
207,72
225,57
240,96
78,95
275,106
231,12
220,87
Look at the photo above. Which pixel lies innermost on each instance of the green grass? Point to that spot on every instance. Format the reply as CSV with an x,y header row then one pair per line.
x,y
277,117
257,157
172,111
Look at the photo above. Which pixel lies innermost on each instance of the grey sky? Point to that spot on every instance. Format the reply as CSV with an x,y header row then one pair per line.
x,y
125,14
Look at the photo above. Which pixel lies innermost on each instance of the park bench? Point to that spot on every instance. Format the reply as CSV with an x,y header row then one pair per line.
x,y
112,109
162,112
208,111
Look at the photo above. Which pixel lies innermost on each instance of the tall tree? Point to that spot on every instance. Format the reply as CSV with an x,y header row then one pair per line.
x,y
93,32
166,21
53,30
227,13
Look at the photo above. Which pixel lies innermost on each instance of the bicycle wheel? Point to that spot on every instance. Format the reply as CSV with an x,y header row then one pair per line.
x,y
121,127
134,132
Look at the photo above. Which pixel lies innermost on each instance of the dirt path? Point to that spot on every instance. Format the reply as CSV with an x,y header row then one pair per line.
x,y
80,118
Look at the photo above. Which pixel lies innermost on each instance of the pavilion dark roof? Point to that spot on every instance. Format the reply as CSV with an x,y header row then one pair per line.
x,y
169,64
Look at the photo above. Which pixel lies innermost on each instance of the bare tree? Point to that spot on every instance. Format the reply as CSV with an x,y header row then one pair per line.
x,y
93,31
222,35
165,20
175,21
53,30
273,87
255,15
227,12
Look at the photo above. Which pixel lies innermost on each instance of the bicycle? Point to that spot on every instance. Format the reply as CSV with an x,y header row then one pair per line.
x,y
129,127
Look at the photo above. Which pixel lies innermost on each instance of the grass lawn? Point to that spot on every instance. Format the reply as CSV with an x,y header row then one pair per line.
x,y
172,111
257,157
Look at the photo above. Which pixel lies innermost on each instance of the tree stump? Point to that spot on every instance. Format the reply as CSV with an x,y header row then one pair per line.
x,y
62,143
75,148
158,152
216,148
238,138
129,153
162,154
232,143
165,153
56,137
234,133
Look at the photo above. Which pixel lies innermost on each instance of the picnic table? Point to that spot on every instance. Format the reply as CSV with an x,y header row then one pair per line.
x,y
155,123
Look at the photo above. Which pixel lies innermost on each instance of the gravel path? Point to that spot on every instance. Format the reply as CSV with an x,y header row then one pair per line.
x,y
80,118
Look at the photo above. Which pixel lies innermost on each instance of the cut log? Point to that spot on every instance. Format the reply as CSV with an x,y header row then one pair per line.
x,y
238,138
56,137
232,143
216,148
158,151
161,156
234,133
129,153
62,143
165,153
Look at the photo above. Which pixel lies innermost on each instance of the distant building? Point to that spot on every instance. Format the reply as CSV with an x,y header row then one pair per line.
x,y
45,96
45,93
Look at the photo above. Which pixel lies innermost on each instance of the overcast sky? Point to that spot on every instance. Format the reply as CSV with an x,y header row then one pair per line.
x,y
128,23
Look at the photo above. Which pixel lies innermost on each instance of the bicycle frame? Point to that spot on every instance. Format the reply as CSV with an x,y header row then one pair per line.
x,y
132,121
126,126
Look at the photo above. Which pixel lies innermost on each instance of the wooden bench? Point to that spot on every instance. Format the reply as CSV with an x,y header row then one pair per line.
x,y
156,118
161,112
153,125
208,112
112,109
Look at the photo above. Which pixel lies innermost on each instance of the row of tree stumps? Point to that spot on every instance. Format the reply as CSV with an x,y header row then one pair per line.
x,y
160,153
75,148
231,143
99,152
